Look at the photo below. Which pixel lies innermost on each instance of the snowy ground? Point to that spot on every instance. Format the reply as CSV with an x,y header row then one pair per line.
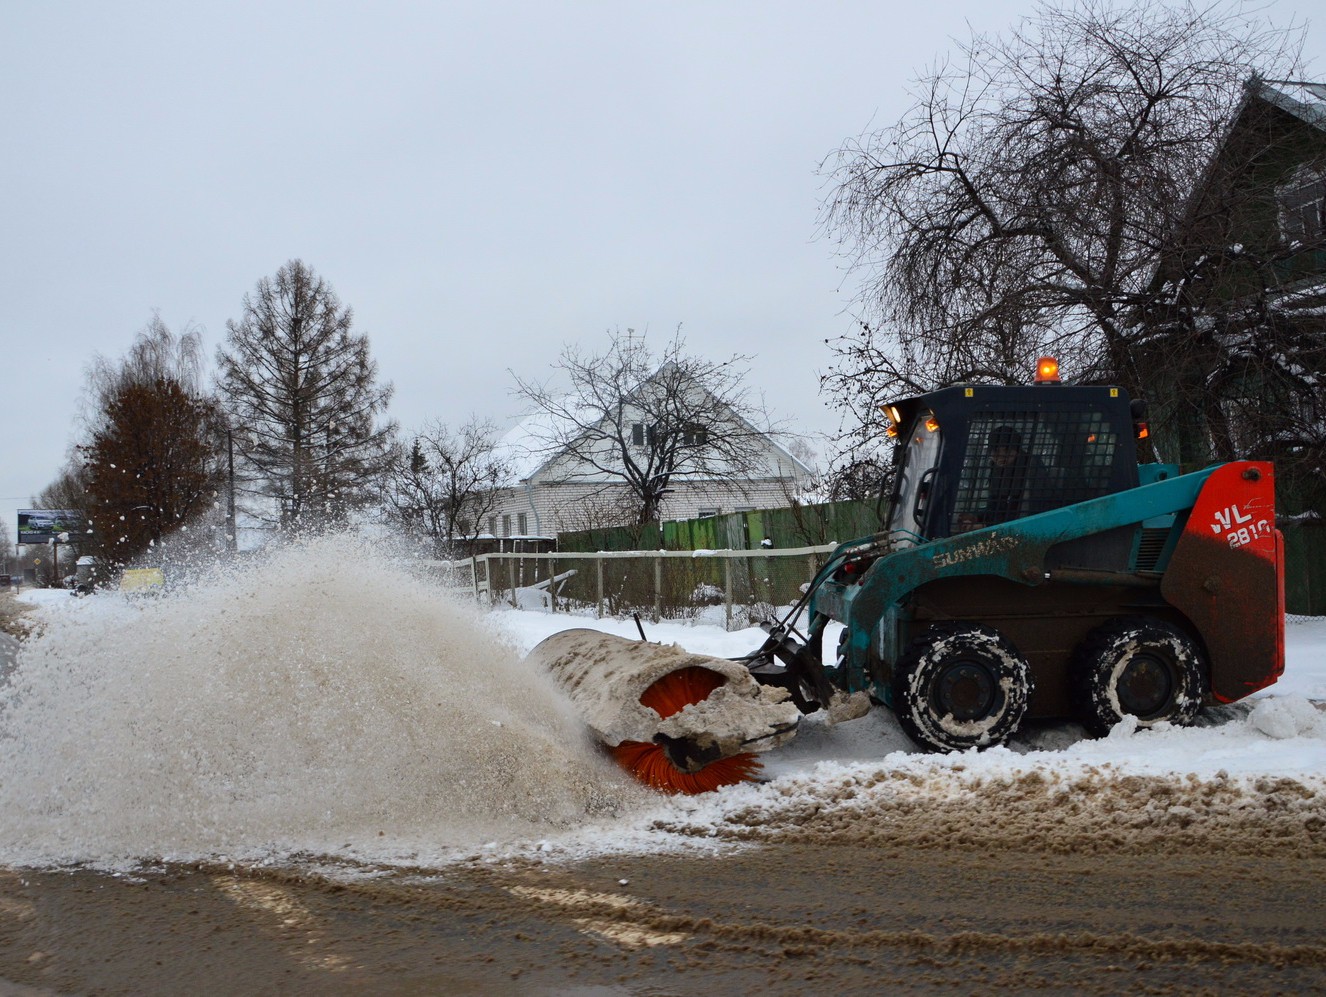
x,y
1277,738
1275,732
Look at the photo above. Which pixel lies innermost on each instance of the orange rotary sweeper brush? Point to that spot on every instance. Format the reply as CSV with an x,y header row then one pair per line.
x,y
678,722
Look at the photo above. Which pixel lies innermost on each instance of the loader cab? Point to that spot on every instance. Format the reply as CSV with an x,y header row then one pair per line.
x,y
975,456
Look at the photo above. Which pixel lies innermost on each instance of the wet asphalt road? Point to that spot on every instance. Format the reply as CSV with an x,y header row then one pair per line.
x,y
781,918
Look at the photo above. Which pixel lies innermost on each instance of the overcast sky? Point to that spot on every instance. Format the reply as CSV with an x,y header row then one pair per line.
x,y
481,182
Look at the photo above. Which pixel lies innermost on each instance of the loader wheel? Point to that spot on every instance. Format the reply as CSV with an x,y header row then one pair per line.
x,y
959,686
1135,666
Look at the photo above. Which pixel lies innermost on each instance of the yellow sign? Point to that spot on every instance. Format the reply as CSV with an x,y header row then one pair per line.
x,y
142,579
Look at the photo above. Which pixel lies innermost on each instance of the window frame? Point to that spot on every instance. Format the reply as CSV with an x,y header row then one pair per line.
x,y
1295,203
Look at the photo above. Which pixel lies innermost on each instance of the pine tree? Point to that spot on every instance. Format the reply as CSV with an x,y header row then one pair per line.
x,y
302,393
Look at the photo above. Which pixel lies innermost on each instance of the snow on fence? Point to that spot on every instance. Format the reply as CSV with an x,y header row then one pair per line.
x,y
671,583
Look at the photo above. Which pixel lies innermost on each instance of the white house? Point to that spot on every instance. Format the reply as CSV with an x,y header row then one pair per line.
x,y
568,478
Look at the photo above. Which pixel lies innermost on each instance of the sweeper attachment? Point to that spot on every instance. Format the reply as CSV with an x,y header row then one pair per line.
x,y
680,722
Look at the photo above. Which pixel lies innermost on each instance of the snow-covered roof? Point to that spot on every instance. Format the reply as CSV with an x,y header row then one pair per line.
x,y
524,447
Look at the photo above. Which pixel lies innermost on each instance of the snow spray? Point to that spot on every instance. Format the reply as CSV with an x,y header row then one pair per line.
x,y
321,702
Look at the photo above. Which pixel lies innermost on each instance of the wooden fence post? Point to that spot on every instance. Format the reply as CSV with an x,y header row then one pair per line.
x,y
727,590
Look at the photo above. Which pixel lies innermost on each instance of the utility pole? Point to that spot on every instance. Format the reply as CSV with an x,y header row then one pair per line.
x,y
230,493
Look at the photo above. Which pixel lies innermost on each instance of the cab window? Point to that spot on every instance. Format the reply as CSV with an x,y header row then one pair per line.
x,y
915,483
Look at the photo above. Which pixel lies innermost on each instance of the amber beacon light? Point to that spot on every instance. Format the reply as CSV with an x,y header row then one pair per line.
x,y
1047,370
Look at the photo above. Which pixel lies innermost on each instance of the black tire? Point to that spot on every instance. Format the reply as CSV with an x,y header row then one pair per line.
x,y
1136,666
959,686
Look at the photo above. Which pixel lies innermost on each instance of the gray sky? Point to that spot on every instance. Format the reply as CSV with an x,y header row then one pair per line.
x,y
481,182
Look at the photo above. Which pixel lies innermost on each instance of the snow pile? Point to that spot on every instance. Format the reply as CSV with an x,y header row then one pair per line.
x,y
1286,717
299,707
1004,802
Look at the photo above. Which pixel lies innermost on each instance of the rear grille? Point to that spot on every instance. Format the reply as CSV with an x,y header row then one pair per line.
x,y
1149,549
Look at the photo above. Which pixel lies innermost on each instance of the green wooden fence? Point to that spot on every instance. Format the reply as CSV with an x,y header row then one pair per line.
x,y
799,526
1305,568
837,522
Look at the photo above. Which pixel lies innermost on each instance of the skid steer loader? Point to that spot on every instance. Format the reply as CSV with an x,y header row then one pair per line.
x,y
1030,567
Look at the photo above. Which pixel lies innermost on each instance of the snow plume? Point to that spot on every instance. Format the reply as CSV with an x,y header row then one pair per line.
x,y
321,701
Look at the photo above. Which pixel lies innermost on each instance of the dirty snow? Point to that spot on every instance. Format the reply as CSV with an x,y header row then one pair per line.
x,y
606,675
1250,776
302,710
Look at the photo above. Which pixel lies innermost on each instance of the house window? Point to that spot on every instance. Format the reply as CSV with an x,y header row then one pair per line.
x,y
522,524
1303,207
492,526
506,525
693,434
706,511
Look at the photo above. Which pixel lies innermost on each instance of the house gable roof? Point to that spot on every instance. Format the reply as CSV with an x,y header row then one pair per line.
x,y
1272,118
1305,101
526,451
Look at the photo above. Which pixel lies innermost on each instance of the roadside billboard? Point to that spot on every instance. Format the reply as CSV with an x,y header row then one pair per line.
x,y
39,526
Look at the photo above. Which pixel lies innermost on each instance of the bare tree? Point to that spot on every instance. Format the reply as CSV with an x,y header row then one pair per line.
x,y
68,491
302,390
612,509
1023,203
858,479
443,483
1237,336
648,422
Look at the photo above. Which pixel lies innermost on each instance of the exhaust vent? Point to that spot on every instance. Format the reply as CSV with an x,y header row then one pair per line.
x,y
1149,548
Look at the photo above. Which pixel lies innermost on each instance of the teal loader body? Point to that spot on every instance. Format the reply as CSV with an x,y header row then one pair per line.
x,y
1031,568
